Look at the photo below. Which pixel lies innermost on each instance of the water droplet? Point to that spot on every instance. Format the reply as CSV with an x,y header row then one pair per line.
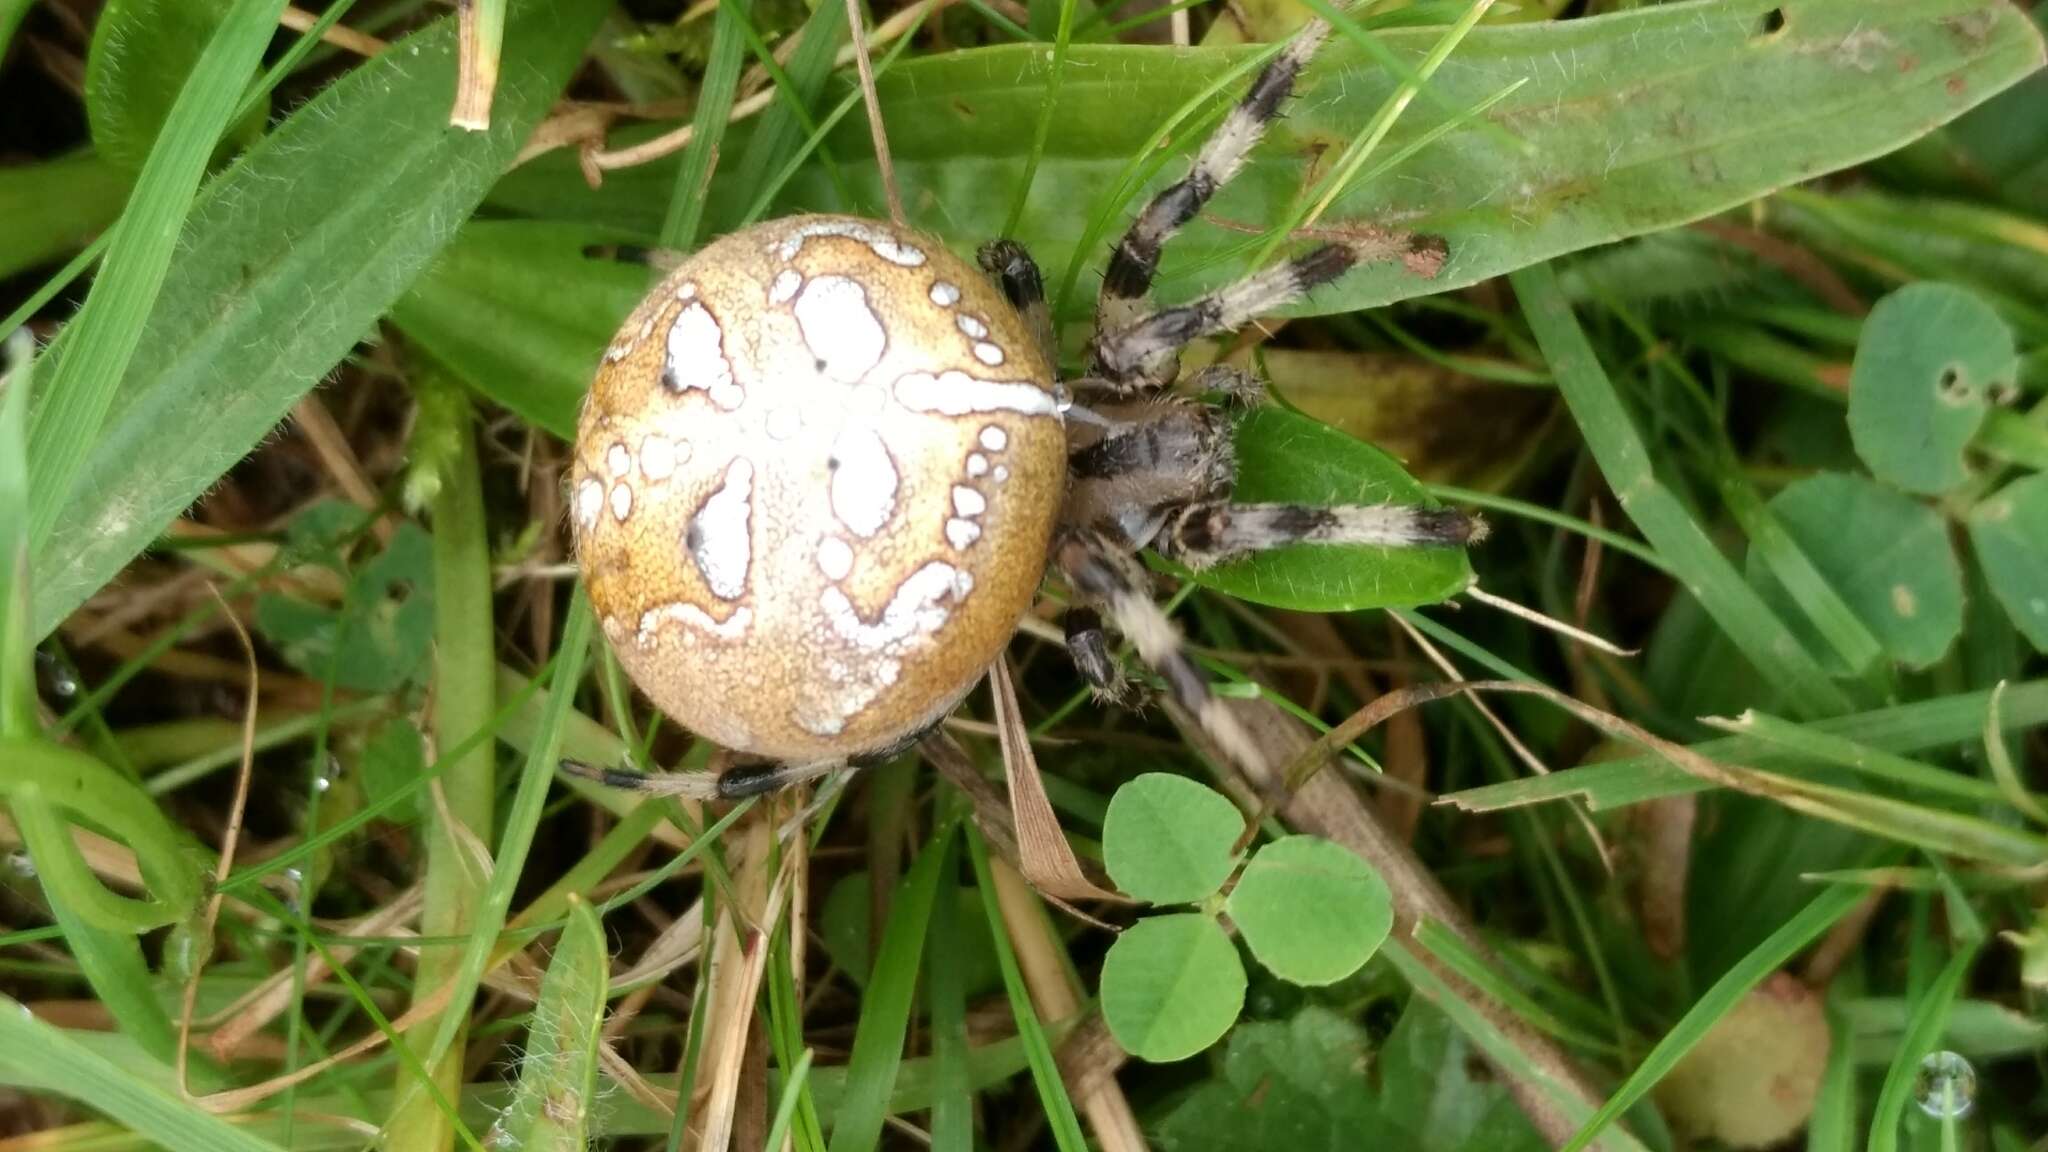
x,y
1945,1086
1062,397
20,864
56,676
328,774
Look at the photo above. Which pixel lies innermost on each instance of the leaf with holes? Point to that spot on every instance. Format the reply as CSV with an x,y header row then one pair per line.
x,y
1310,910
1885,554
1168,840
1930,357
1614,140
1171,986
2010,534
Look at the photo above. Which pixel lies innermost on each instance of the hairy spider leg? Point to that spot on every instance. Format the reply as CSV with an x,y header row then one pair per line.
x,y
1088,648
1203,534
1107,576
1127,282
1146,352
1017,274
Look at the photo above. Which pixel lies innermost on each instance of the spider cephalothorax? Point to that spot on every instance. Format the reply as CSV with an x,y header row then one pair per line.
x,y
825,463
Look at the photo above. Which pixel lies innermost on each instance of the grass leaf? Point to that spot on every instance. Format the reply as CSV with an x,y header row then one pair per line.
x,y
557,1091
286,262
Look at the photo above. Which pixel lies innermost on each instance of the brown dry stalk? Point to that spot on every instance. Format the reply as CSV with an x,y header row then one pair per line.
x,y
476,70
340,35
1047,859
1090,1070
202,937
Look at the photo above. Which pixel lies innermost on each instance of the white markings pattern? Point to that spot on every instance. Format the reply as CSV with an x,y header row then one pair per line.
x,y
618,460
683,612
786,283
977,464
994,438
987,353
842,332
884,245
968,502
864,482
785,424
696,357
719,539
916,611
622,500
971,326
962,533
945,295
955,393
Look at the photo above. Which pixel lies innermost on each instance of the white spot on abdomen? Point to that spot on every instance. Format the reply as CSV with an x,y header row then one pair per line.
x,y
971,325
731,628
618,460
955,393
696,358
719,538
919,607
786,283
835,558
784,424
961,533
968,502
659,456
863,481
589,502
945,295
994,438
622,500
842,332
988,353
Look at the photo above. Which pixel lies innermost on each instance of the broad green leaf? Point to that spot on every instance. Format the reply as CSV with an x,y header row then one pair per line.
x,y
1432,1088
493,310
1285,456
1296,1085
2010,534
377,641
1310,910
1167,839
142,51
288,258
1618,141
40,1058
52,208
1930,356
1886,555
551,1106
1171,986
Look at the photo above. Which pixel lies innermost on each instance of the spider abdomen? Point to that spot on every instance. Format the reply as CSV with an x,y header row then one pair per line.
x,y
813,486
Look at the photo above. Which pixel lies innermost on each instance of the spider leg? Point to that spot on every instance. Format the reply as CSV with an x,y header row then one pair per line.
x,y
1128,279
1088,647
1209,532
1105,575
1146,352
1016,273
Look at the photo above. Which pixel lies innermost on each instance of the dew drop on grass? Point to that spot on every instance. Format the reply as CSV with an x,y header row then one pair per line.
x,y
1946,1085
20,864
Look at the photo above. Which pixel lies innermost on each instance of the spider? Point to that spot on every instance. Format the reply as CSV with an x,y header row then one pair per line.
x,y
825,464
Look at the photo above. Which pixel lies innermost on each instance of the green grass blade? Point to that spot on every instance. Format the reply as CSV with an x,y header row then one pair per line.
x,y
112,321
886,1004
36,1056
557,1091
465,683
952,1119
700,155
1045,1072
1624,459
1864,742
17,650
287,259
1923,1032
1817,917
517,838
1050,103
